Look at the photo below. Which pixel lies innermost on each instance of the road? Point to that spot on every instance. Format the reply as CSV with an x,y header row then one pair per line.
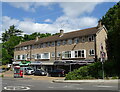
x,y
29,84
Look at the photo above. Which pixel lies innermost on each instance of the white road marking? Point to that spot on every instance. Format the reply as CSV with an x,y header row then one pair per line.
x,y
16,88
105,86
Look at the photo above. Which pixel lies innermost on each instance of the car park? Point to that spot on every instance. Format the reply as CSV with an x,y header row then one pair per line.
x,y
40,72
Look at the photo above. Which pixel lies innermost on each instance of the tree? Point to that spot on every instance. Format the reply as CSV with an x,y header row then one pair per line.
x,y
12,31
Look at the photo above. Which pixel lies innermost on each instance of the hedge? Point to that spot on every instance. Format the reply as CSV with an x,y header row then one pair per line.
x,y
92,71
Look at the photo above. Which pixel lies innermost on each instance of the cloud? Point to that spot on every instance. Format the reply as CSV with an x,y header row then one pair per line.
x,y
70,24
29,6
48,20
76,9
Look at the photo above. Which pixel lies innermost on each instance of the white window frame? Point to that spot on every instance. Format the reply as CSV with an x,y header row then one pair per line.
x,y
63,54
90,52
91,37
42,55
52,54
83,38
58,54
77,51
76,40
58,43
69,41
64,42
52,43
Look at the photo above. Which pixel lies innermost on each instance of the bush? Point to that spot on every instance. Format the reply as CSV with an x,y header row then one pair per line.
x,y
93,71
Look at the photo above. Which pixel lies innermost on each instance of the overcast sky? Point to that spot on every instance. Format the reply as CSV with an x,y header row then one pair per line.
x,y
51,17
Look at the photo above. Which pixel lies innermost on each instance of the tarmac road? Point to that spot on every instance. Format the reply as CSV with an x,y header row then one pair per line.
x,y
30,84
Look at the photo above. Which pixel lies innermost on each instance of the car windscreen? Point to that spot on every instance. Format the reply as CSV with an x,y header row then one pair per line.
x,y
29,69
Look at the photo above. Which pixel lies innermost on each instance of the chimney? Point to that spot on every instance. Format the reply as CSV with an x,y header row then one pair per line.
x,y
99,24
37,38
61,32
20,42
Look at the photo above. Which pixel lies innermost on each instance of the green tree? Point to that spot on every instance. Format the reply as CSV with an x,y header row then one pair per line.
x,y
12,31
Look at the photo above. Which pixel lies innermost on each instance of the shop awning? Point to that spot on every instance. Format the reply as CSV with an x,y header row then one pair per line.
x,y
24,63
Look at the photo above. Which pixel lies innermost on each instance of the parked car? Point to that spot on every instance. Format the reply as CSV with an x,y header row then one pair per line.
x,y
2,70
40,72
28,71
57,73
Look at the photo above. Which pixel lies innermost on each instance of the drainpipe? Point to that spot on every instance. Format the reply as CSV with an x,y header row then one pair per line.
x,y
30,51
55,50
95,49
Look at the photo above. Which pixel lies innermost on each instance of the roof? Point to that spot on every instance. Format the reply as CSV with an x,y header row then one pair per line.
x,y
78,33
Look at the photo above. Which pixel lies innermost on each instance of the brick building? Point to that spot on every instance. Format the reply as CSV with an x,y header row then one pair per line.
x,y
78,46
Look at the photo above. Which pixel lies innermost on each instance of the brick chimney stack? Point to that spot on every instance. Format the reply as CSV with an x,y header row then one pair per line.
x,y
61,32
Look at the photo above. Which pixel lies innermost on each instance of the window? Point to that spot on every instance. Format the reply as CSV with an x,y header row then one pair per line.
x,y
53,44
76,40
58,43
48,44
18,57
67,54
70,41
41,45
83,39
38,56
45,56
80,53
58,54
52,54
33,56
32,46
44,45
91,52
91,38
25,47
23,57
64,42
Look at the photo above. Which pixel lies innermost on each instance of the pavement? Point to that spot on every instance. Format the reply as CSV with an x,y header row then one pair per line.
x,y
85,81
10,74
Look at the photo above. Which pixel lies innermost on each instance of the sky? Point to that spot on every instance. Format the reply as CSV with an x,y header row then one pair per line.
x,y
50,17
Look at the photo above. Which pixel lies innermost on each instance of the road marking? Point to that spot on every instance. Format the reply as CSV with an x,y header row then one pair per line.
x,y
50,87
105,86
79,88
16,88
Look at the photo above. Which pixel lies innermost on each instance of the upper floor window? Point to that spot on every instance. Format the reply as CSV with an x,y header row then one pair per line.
x,y
76,40
46,56
53,44
18,57
91,38
58,54
58,43
64,42
70,41
48,44
33,46
91,52
80,53
52,54
83,39
38,56
44,45
67,54
23,57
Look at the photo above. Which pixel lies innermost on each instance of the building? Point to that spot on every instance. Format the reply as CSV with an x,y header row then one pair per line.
x,y
81,46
